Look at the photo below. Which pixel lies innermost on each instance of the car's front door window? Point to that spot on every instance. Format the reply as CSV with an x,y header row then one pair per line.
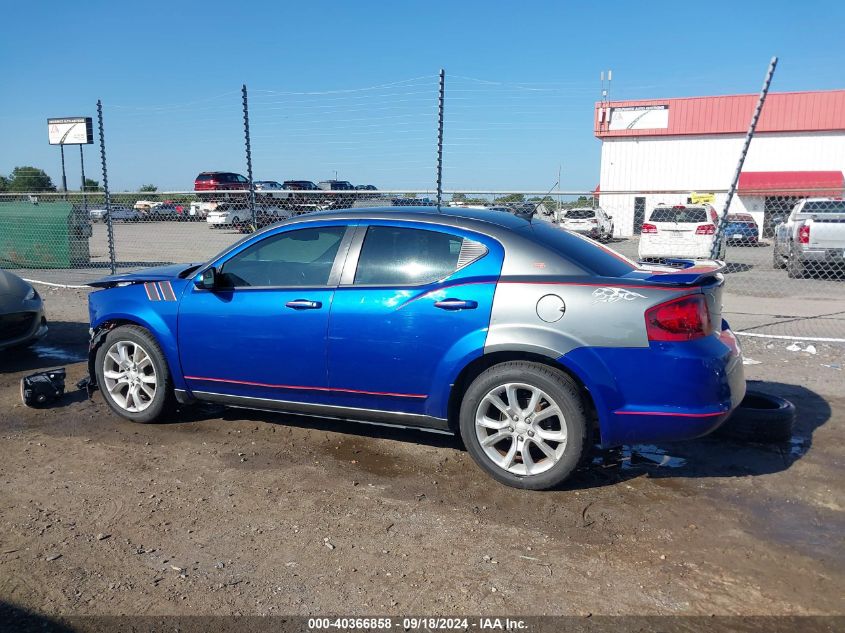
x,y
294,258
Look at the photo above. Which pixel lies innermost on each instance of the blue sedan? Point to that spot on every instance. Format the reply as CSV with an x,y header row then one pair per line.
x,y
531,342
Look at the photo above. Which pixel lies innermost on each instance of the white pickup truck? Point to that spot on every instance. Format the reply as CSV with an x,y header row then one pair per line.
x,y
812,237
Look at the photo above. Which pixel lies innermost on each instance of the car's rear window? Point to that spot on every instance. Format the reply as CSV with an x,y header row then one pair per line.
x,y
740,218
205,177
580,214
679,214
824,206
586,253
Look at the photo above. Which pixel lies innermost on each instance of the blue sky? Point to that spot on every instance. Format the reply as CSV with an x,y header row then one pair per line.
x,y
350,87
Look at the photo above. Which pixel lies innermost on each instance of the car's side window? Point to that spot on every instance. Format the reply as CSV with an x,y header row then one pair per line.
x,y
303,257
395,256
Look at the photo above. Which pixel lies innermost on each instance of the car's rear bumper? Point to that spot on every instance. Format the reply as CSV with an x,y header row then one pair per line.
x,y
822,255
664,392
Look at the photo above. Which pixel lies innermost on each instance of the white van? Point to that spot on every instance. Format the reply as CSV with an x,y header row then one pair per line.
x,y
681,231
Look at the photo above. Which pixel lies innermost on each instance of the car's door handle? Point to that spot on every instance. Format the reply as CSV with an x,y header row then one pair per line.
x,y
304,304
456,304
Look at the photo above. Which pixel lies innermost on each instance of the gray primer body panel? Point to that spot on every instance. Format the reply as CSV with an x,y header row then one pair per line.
x,y
589,320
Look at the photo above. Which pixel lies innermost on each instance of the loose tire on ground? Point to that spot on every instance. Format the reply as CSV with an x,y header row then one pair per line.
x,y
163,402
560,391
760,418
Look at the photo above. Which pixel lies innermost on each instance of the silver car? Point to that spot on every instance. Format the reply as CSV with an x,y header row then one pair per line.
x,y
22,319
118,213
594,223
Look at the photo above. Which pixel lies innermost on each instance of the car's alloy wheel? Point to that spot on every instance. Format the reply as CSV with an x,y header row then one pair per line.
x,y
520,428
129,376
525,424
132,372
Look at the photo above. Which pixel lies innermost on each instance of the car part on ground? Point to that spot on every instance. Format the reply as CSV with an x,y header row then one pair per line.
x,y
43,388
437,321
761,418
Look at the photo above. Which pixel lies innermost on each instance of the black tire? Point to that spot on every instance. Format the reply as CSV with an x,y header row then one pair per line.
x,y
560,388
760,418
777,259
164,400
795,267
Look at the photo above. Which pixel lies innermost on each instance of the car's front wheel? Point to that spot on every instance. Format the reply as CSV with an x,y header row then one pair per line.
x,y
524,423
133,375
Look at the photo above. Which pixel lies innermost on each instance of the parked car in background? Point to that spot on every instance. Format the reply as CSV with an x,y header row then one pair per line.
x,y
530,370
366,196
741,228
334,196
812,238
163,211
268,185
365,188
594,223
220,180
228,214
300,185
118,213
681,231
22,319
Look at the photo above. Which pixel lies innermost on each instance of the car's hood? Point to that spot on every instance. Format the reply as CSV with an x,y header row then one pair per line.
x,y
158,273
12,285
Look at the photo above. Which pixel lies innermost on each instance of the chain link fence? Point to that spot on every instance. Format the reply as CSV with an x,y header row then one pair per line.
x,y
784,248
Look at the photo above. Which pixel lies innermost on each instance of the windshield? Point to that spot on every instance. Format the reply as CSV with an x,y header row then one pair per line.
x,y
824,206
679,214
580,214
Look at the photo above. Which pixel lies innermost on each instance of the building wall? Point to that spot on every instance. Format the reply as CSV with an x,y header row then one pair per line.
x,y
703,164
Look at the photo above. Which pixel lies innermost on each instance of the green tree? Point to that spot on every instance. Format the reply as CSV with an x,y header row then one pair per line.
x,y
30,179
92,185
512,197
148,188
4,184
459,197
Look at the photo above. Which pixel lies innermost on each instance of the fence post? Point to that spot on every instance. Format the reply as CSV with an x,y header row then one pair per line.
x,y
714,251
440,139
106,196
249,159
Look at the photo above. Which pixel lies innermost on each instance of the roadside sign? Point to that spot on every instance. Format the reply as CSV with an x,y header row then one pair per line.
x,y
702,198
70,131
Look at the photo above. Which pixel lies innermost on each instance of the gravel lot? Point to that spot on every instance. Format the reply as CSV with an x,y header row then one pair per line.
x,y
233,512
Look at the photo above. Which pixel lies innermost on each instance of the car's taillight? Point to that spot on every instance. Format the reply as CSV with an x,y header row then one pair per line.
x,y
682,319
649,228
804,234
706,229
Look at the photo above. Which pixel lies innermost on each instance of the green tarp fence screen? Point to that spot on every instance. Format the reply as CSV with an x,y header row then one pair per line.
x,y
44,235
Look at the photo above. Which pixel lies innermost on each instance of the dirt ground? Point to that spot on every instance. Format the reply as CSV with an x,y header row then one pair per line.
x,y
233,512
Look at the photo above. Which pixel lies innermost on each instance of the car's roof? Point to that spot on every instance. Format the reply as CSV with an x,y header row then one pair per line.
x,y
427,213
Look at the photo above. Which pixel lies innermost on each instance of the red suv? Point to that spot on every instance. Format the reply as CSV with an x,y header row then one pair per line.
x,y
217,180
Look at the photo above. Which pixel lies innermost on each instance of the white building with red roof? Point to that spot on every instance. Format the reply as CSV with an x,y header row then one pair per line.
x,y
668,150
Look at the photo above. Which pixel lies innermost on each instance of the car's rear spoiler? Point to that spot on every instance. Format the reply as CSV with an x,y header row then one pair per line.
x,y
684,272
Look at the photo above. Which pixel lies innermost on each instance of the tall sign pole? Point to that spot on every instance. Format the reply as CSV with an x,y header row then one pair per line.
x,y
82,169
106,195
64,176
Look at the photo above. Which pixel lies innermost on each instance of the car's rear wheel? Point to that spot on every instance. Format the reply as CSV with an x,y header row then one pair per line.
x,y
777,259
133,375
524,423
795,267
